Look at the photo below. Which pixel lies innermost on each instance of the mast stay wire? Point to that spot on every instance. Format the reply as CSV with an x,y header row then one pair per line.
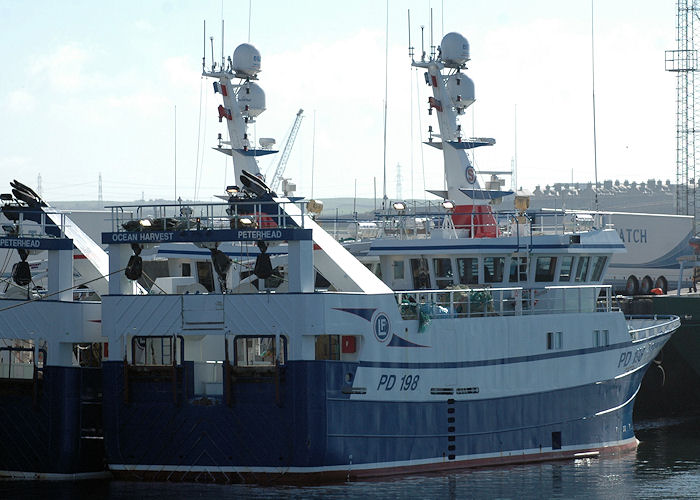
x,y
420,128
199,136
204,135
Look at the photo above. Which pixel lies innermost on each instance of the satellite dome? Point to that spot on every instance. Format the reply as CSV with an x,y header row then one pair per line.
x,y
460,88
455,49
246,60
252,96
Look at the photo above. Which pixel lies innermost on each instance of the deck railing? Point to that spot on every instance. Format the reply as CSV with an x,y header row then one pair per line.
x,y
204,216
642,327
420,221
34,222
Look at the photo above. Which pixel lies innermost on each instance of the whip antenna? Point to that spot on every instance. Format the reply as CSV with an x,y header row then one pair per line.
x,y
410,48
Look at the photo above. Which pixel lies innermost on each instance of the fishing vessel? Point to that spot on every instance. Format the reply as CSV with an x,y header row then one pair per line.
x,y
289,382
50,350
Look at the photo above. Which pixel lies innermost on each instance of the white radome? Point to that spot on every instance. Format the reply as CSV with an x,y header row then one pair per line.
x,y
253,96
246,60
460,88
455,49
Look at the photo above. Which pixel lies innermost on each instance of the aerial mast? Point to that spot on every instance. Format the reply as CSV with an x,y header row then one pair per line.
x,y
683,62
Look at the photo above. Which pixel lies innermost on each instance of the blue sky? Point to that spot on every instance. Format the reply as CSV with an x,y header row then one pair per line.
x,y
90,87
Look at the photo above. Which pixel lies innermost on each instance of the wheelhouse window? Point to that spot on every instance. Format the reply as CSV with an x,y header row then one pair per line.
x,y
544,268
420,273
186,269
582,268
443,272
598,266
566,264
518,269
205,275
397,265
493,269
468,270
258,350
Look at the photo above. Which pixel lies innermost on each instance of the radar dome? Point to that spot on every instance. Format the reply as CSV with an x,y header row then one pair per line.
x,y
246,60
455,49
460,88
252,96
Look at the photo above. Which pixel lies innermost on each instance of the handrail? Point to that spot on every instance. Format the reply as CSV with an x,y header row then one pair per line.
x,y
653,330
512,301
28,228
420,222
238,214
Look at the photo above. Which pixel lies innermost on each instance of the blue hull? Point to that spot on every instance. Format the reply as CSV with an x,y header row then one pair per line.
x,y
305,425
41,425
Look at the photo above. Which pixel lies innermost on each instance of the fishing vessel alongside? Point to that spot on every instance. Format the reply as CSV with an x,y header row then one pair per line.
x,y
50,350
457,366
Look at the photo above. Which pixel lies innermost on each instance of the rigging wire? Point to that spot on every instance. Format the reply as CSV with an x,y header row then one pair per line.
x,y
411,138
204,134
199,135
595,148
61,291
250,10
420,127
410,87
153,282
386,93
313,155
8,256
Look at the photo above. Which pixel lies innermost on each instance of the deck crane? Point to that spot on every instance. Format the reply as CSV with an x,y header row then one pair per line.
x,y
277,177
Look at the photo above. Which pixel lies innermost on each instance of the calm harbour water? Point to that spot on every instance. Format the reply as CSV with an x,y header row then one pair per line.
x,y
665,465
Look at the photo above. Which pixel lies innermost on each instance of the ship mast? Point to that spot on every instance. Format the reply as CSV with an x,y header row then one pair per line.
x,y
243,101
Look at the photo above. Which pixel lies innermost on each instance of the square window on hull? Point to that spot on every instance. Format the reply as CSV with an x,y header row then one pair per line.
x,y
258,350
328,347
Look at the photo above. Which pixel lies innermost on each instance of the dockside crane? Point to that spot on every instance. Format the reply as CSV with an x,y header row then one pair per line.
x,y
279,171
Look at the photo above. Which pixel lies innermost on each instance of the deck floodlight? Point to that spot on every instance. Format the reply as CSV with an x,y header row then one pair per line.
x,y
232,189
145,222
6,197
399,205
246,221
448,205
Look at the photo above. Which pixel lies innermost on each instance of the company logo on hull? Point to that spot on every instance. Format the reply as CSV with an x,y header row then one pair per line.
x,y
382,326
